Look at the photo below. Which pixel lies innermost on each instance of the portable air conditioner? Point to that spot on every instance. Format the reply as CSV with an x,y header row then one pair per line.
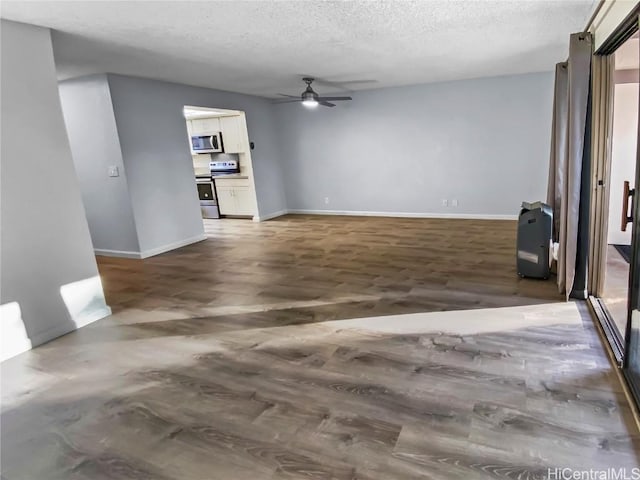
x,y
534,240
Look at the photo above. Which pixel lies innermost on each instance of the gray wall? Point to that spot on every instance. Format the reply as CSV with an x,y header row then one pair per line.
x,y
484,142
49,283
91,126
624,143
156,155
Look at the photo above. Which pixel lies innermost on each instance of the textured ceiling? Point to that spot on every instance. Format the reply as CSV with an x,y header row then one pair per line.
x,y
263,48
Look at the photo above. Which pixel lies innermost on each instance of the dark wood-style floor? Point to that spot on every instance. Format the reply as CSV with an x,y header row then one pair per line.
x,y
325,348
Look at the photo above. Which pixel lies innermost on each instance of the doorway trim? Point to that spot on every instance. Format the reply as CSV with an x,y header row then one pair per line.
x,y
601,143
602,125
623,32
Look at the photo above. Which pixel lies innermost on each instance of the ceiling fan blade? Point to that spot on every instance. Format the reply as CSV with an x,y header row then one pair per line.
x,y
341,84
326,104
353,82
290,96
334,99
293,100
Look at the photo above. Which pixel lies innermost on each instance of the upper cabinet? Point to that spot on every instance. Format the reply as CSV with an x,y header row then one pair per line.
x,y
205,125
232,137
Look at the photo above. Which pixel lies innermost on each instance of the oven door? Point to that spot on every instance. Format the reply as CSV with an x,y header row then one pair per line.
x,y
206,192
208,200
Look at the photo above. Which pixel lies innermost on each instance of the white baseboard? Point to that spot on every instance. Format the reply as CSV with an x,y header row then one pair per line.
x,y
21,343
14,339
269,216
172,246
93,316
356,213
151,252
64,328
116,253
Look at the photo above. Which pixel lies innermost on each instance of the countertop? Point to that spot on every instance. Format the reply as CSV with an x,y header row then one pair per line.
x,y
218,177
245,177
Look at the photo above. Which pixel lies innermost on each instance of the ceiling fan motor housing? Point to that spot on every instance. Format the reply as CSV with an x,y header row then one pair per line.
x,y
311,99
309,95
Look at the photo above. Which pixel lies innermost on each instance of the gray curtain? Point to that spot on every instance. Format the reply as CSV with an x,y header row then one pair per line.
x,y
568,141
558,159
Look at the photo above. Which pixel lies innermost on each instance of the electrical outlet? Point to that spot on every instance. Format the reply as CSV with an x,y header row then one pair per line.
x,y
113,171
454,202
445,202
326,200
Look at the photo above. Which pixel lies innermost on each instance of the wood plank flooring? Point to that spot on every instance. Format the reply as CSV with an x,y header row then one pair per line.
x,y
321,348
353,265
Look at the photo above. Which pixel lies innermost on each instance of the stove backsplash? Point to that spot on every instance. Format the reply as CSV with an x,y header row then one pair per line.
x,y
201,161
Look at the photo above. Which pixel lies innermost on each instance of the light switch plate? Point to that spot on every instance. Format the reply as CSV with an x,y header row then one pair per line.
x,y
113,171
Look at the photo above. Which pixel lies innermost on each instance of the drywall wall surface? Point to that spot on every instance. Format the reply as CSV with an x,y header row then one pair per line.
x,y
91,125
623,156
49,283
482,144
159,168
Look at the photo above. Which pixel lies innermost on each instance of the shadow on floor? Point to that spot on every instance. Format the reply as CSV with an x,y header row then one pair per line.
x,y
507,392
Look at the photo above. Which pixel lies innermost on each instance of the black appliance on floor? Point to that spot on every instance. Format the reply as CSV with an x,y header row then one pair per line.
x,y
534,240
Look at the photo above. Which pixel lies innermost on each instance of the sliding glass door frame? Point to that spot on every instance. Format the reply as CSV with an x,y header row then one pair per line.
x,y
631,359
625,348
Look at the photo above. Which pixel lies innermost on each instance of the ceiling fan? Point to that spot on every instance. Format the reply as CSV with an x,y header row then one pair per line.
x,y
311,99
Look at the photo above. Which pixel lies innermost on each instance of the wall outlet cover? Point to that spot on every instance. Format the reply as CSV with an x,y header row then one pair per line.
x,y
113,171
454,202
444,202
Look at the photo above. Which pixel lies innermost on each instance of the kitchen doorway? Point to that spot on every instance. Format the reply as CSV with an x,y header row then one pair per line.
x,y
223,170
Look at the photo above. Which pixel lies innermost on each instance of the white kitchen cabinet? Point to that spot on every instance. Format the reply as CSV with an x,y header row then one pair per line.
x,y
226,202
234,199
243,200
205,125
232,134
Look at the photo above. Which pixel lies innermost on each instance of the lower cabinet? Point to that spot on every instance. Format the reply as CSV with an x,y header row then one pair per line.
x,y
244,201
234,200
226,203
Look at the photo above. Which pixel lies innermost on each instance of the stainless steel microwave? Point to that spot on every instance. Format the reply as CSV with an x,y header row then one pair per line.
x,y
207,143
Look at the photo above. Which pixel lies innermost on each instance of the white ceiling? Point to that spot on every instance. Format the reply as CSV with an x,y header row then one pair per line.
x,y
263,48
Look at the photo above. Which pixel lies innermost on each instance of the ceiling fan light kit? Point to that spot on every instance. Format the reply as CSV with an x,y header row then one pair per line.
x,y
311,99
